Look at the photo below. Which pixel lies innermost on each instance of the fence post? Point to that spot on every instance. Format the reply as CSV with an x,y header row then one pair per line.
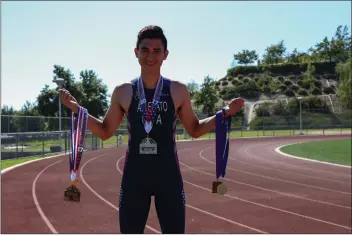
x,y
17,145
65,142
43,143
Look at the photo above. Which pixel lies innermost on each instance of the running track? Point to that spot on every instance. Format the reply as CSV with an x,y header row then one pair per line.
x,y
268,193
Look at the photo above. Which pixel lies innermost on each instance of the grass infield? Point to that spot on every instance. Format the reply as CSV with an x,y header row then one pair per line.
x,y
333,151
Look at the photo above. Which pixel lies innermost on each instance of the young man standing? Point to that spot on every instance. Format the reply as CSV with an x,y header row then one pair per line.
x,y
151,104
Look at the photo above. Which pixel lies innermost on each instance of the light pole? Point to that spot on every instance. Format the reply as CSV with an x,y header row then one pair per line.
x,y
300,114
59,82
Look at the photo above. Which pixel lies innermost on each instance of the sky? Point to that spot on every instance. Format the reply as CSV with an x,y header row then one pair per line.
x,y
202,37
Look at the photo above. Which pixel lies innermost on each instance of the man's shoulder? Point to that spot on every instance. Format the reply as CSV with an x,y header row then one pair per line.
x,y
123,90
178,89
178,85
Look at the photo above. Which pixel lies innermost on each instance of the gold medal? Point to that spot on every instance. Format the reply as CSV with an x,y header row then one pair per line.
x,y
221,189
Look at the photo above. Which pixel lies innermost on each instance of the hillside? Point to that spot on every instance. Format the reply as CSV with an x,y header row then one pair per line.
x,y
271,94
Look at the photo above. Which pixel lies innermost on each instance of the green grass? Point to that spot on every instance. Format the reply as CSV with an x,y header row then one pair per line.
x,y
333,151
11,162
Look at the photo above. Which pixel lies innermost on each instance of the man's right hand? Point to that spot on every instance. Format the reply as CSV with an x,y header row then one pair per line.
x,y
68,100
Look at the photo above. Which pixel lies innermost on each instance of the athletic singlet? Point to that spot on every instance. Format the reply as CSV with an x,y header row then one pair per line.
x,y
161,167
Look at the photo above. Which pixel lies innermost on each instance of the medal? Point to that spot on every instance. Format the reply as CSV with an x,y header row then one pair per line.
x,y
78,132
148,145
222,150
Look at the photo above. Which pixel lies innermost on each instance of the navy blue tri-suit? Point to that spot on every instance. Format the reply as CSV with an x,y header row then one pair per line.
x,y
152,175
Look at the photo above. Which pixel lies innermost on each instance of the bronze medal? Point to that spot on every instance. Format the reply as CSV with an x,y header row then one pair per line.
x,y
72,193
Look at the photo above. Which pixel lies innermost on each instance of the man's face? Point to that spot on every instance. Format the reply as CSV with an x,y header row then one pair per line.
x,y
151,54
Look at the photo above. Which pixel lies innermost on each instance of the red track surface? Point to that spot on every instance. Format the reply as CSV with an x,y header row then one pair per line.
x,y
267,192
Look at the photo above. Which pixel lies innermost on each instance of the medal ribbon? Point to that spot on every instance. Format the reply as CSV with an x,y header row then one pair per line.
x,y
78,132
149,115
222,143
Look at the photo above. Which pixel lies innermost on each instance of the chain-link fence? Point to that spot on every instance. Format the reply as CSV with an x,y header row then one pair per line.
x,y
27,144
284,119
38,136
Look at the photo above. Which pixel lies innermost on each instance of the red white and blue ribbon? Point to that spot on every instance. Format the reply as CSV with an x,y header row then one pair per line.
x,y
223,127
78,132
149,115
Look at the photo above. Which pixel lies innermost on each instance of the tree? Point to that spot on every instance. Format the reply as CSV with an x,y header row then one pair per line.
x,y
324,49
308,76
337,49
95,93
206,97
344,88
246,57
193,88
274,53
342,44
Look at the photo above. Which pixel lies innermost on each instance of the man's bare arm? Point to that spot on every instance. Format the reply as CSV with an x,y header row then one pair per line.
x,y
193,125
105,128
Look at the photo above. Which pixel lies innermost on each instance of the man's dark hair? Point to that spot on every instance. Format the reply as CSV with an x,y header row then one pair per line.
x,y
152,32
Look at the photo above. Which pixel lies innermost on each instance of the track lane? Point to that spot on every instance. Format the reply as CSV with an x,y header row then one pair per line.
x,y
22,215
312,208
198,218
302,223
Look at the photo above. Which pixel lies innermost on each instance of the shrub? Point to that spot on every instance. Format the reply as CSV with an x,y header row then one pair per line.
x,y
263,110
288,82
330,76
234,81
225,83
306,84
248,90
285,69
222,92
266,81
266,90
280,109
302,92
245,80
300,83
289,93
239,83
316,91
240,77
281,79
283,88
317,84
328,90
217,83
251,75
294,87
230,78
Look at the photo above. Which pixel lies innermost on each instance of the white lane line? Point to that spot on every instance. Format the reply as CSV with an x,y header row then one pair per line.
x,y
206,212
102,198
274,191
309,169
36,202
262,205
277,179
287,172
305,159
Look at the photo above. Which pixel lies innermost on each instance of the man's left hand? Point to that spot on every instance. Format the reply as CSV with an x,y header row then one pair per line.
x,y
235,105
